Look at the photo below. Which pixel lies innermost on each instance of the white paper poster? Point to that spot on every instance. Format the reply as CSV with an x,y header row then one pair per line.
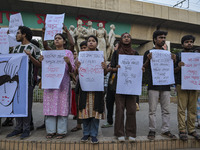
x,y
129,75
4,44
14,85
91,74
190,73
15,22
53,68
162,67
54,25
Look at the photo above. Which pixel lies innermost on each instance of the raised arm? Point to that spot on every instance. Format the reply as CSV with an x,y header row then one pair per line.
x,y
45,44
71,41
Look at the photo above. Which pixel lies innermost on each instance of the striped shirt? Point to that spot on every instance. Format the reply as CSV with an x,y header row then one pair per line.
x,y
35,52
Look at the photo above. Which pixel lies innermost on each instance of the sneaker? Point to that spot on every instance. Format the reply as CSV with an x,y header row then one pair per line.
x,y
121,139
14,133
107,125
25,134
94,140
151,135
85,138
131,139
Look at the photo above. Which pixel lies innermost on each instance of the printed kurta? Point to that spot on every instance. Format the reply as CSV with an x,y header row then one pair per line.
x,y
57,102
89,112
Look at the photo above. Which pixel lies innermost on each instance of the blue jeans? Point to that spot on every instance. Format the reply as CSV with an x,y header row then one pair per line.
x,y
90,127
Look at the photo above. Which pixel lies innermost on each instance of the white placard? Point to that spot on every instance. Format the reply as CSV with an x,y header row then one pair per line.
x,y
15,22
14,85
162,67
129,75
4,44
190,73
53,68
54,24
91,74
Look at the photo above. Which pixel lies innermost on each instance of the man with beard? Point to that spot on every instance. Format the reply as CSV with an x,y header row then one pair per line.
x,y
158,91
187,99
24,35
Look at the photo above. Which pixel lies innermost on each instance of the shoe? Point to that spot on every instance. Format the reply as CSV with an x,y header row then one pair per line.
x,y
25,134
94,140
85,138
41,127
14,133
131,139
137,107
121,139
151,135
183,136
195,135
169,135
107,125
7,122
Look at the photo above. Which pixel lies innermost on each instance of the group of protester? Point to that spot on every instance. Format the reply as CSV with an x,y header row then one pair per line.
x,y
90,105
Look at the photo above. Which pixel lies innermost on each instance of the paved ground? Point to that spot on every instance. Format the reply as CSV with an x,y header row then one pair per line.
x,y
142,121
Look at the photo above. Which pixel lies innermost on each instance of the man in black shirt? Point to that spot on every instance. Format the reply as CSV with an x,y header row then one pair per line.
x,y
156,91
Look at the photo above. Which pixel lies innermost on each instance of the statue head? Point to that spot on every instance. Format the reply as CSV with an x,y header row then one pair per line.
x,y
100,25
112,26
89,23
79,22
71,27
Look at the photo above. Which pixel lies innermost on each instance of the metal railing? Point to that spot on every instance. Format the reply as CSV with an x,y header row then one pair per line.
x,y
38,94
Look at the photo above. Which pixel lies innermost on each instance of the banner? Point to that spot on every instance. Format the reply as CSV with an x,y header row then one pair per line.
x,y
190,73
129,75
91,74
53,68
162,67
4,44
14,85
15,22
54,25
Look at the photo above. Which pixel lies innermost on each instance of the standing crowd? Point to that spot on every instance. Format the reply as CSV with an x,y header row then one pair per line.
x,y
90,105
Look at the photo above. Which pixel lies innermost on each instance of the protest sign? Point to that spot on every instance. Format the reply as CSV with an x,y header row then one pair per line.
x,y
53,68
4,44
162,67
129,75
54,24
14,85
15,22
91,74
190,73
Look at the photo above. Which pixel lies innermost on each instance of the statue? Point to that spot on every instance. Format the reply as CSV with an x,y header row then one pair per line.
x,y
101,36
71,31
90,30
80,34
111,40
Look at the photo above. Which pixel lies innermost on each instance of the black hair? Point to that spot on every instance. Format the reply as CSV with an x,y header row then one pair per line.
x,y
63,37
157,33
92,37
27,31
36,43
187,37
84,43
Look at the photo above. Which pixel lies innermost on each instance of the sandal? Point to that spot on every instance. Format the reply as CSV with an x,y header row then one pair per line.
x,y
169,135
195,135
75,129
183,136
60,136
50,135
151,135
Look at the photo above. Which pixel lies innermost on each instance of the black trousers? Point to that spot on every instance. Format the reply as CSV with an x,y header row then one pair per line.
x,y
110,100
